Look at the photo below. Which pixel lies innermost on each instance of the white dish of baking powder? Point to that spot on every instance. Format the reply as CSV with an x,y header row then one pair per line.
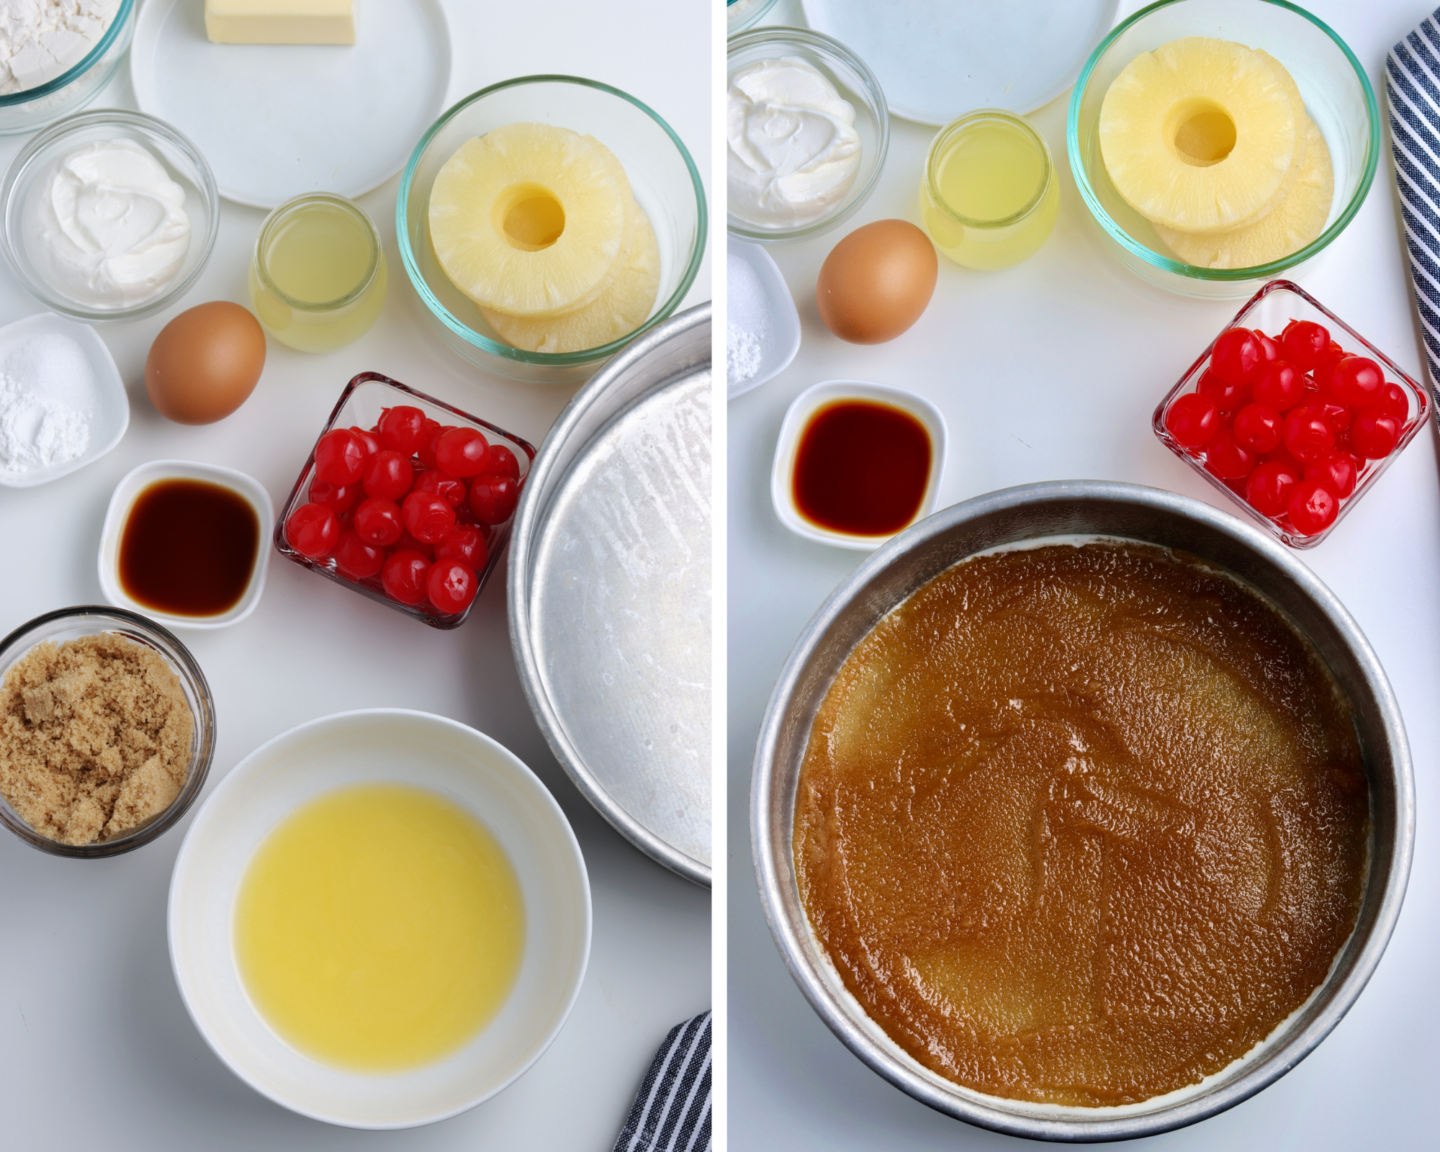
x,y
62,402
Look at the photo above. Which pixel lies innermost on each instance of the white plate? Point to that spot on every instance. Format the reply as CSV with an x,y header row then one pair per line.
x,y
111,410
774,321
798,415
380,745
937,59
278,120
135,482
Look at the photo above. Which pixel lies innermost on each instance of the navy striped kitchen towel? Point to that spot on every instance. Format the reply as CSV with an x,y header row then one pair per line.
x,y
1412,80
672,1109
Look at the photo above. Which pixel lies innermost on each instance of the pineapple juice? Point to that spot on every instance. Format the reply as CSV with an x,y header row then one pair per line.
x,y
989,196
318,278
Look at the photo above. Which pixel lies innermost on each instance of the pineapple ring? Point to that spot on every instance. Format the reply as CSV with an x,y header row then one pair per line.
x,y
1296,221
531,219
619,310
1202,135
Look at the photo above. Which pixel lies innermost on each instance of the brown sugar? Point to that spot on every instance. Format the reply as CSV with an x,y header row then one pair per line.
x,y
95,737
1082,825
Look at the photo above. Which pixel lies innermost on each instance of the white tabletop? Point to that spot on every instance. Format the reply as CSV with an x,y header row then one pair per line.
x,y
1050,371
96,1049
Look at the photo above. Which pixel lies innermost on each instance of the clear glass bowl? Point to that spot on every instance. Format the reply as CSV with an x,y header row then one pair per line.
x,y
360,405
180,159
75,87
662,176
1338,98
90,620
743,14
1269,310
855,82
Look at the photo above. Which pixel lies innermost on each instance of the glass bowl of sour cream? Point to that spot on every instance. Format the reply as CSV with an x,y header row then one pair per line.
x,y
108,215
806,131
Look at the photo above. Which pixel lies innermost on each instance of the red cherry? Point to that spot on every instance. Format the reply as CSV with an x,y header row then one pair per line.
x,y
461,452
451,586
1257,427
493,498
1269,486
466,543
500,461
1375,436
1227,396
313,530
1269,349
1336,415
426,450
1307,435
339,456
369,440
1337,471
378,522
388,475
1227,459
339,498
428,517
1394,401
1280,386
1237,356
1303,343
1192,420
438,484
356,559
403,576
401,429
1356,382
1313,507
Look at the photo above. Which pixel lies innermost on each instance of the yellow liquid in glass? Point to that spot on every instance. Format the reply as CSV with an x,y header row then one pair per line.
x,y
989,170
318,253
379,928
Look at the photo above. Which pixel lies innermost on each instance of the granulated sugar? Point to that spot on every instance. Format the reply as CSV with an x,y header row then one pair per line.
x,y
47,403
745,332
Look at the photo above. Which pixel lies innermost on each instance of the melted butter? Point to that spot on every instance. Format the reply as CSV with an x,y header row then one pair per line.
x,y
1081,825
379,927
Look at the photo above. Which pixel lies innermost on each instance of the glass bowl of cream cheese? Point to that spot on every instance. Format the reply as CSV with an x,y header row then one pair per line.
x,y
55,57
108,215
806,130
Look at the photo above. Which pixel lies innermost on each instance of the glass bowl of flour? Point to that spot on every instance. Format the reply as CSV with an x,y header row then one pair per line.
x,y
55,55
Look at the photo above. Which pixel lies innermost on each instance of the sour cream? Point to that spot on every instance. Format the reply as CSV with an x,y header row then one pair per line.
x,y
793,147
107,228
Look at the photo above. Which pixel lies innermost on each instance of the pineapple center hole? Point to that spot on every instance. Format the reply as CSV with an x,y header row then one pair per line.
x,y
1204,133
531,219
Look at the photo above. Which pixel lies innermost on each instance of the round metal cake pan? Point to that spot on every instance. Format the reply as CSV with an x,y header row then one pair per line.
x,y
610,592
1021,515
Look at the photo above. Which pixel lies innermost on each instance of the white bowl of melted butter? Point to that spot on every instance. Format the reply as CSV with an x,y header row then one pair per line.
x,y
311,815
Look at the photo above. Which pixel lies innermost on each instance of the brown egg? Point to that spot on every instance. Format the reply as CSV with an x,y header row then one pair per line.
x,y
877,281
205,363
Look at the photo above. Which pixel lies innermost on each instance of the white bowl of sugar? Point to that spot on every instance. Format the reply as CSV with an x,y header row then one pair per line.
x,y
62,402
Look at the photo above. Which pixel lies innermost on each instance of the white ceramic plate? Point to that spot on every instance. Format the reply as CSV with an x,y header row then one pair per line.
x,y
772,318
136,481
937,59
376,745
110,410
277,120
798,415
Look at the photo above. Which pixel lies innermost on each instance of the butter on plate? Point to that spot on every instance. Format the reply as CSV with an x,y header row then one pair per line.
x,y
280,21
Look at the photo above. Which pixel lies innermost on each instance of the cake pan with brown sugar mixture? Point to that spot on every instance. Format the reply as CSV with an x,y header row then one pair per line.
x,y
96,737
1082,825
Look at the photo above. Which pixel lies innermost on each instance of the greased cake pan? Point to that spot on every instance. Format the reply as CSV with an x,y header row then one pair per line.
x,y
610,592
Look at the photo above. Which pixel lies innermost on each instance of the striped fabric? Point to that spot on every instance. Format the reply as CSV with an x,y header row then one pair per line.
x,y
672,1109
1412,80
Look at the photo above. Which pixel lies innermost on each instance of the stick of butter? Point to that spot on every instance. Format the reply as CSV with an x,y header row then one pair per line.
x,y
280,21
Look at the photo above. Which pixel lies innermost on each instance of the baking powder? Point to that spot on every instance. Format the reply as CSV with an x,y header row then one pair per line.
x,y
40,39
47,401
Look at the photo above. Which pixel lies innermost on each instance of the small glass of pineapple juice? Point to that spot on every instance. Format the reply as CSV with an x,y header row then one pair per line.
x,y
989,195
318,276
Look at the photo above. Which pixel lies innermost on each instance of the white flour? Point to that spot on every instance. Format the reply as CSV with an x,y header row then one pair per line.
x,y
40,39
47,401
